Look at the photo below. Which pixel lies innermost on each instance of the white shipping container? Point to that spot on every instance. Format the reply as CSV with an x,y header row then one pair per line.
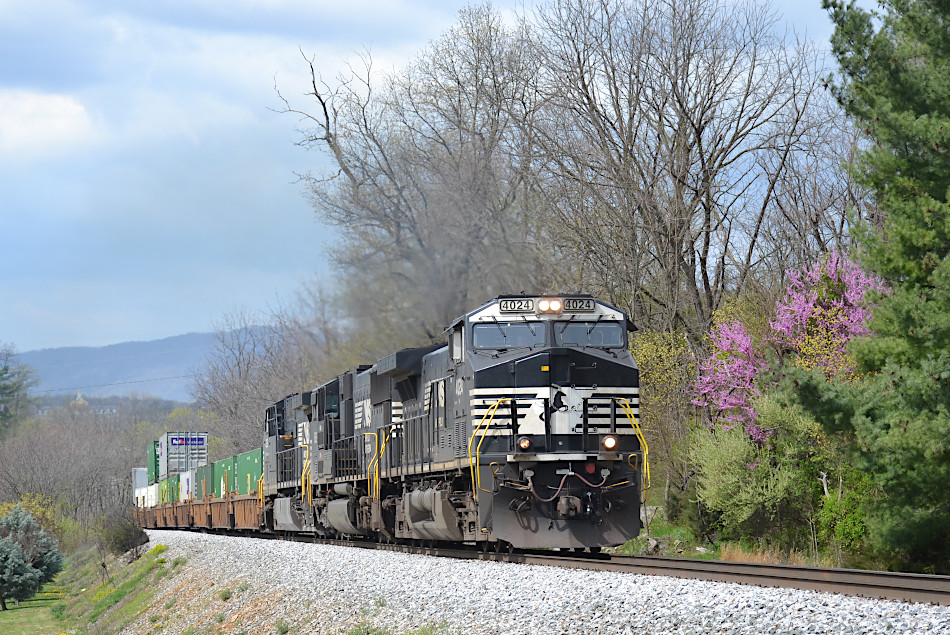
x,y
181,451
139,477
151,495
187,482
139,496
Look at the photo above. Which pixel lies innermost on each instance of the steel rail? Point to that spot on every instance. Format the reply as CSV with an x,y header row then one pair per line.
x,y
884,585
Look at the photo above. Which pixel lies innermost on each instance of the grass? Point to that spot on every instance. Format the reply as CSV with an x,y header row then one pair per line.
x,y
677,541
738,553
674,541
106,600
33,616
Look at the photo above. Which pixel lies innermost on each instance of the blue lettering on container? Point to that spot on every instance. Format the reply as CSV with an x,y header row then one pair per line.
x,y
187,440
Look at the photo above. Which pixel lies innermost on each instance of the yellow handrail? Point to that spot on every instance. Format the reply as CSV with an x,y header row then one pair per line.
x,y
369,468
260,490
628,410
382,450
476,476
305,477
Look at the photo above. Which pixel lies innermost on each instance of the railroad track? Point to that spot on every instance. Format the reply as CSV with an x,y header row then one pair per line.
x,y
885,585
908,587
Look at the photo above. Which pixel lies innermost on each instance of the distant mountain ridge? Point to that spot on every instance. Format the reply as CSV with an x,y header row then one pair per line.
x,y
162,368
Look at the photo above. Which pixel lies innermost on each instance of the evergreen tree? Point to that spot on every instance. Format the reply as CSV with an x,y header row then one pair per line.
x,y
895,81
29,557
15,383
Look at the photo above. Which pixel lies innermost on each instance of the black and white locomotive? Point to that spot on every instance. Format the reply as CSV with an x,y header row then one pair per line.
x,y
522,430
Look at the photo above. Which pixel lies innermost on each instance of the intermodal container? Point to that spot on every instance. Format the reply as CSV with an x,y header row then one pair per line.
x,y
204,481
223,477
181,451
139,477
152,464
188,488
174,495
163,492
247,468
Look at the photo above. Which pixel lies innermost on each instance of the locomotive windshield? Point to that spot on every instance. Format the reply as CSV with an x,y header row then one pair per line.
x,y
508,334
595,333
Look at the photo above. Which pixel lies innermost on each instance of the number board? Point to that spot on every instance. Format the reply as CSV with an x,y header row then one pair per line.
x,y
579,304
516,305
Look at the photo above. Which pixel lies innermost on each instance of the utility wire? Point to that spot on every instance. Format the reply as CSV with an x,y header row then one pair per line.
x,y
117,383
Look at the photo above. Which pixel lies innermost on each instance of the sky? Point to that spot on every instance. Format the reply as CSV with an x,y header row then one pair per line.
x,y
147,184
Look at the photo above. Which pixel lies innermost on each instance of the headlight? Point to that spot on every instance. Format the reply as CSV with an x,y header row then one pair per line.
x,y
610,442
524,443
549,305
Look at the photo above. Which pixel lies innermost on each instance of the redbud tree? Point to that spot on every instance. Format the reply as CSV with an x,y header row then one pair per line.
x,y
825,306
727,378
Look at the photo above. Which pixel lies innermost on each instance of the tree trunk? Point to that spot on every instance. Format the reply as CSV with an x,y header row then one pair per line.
x,y
3,605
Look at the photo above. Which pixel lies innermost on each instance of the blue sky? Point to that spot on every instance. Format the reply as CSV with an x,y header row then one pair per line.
x,y
146,185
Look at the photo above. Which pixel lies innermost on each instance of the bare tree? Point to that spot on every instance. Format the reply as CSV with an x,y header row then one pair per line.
x,y
81,459
247,371
425,190
668,135
816,197
258,360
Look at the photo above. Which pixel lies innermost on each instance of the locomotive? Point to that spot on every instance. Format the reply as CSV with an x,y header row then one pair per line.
x,y
520,431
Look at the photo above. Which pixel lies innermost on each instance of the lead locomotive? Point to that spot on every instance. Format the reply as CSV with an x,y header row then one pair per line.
x,y
520,431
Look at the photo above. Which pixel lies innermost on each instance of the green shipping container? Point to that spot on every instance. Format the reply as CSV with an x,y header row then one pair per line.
x,y
247,468
223,477
163,492
204,481
173,492
152,463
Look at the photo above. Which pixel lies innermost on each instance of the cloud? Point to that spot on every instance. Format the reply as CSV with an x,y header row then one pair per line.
x,y
36,124
146,184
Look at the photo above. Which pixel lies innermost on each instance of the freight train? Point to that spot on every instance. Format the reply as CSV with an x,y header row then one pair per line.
x,y
520,431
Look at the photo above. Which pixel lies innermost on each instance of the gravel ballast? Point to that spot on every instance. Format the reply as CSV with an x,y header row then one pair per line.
x,y
329,589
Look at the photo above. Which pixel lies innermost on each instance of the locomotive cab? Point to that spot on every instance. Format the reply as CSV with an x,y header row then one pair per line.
x,y
554,400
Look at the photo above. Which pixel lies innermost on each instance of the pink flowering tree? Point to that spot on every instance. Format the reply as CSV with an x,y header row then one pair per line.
x,y
727,379
823,309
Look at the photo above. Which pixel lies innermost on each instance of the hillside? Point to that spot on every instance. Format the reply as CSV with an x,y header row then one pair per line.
x,y
160,368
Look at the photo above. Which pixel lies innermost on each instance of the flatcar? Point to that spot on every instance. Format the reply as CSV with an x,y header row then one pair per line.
x,y
520,431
